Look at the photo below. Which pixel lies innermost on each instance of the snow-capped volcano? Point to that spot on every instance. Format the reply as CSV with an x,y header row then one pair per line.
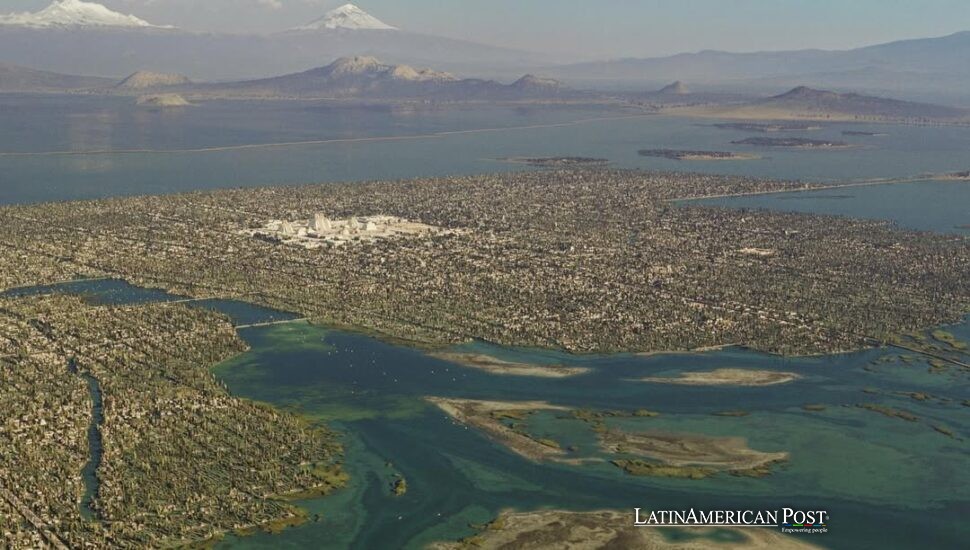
x,y
347,16
73,13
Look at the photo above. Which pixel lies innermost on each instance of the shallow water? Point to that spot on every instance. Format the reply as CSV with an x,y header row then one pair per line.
x,y
882,479
95,447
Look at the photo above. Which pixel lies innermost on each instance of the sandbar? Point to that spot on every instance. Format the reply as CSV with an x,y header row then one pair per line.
x,y
493,365
726,377
677,154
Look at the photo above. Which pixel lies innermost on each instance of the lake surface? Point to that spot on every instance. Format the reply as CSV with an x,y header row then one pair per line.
x,y
940,206
244,144
886,482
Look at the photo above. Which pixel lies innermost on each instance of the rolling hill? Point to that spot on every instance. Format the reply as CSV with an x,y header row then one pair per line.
x,y
926,67
366,77
14,78
812,104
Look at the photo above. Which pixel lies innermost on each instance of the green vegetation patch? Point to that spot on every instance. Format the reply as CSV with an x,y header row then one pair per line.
x,y
637,467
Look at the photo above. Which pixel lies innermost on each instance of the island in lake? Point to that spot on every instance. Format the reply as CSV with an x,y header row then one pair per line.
x,y
494,365
685,455
795,143
642,453
162,101
502,422
677,154
767,127
726,377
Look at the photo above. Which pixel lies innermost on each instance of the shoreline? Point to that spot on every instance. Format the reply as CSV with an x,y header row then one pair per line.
x,y
432,347
829,186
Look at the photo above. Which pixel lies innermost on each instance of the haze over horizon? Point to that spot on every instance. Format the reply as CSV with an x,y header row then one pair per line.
x,y
610,29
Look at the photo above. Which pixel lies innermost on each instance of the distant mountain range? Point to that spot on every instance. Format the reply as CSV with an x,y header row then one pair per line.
x,y
365,77
85,37
920,67
803,103
369,79
88,38
73,14
21,79
359,77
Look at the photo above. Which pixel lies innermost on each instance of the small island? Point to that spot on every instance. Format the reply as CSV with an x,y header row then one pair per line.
x,y
726,377
162,100
795,143
768,127
692,456
399,487
493,365
677,154
501,422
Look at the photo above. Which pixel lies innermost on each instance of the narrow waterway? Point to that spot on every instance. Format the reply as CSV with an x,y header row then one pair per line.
x,y
95,445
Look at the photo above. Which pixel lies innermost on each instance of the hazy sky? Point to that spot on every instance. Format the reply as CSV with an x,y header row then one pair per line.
x,y
601,28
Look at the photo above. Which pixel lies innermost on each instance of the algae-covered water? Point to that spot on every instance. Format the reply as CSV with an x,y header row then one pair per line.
x,y
886,482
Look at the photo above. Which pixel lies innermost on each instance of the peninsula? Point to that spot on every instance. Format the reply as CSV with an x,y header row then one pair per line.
x,y
180,461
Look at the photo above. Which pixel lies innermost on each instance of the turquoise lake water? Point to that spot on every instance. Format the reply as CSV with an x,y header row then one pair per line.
x,y
886,482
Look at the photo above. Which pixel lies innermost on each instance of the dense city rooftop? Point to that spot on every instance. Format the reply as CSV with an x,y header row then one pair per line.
x,y
584,260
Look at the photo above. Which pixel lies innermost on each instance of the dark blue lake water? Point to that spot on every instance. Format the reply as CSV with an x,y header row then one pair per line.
x,y
133,150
